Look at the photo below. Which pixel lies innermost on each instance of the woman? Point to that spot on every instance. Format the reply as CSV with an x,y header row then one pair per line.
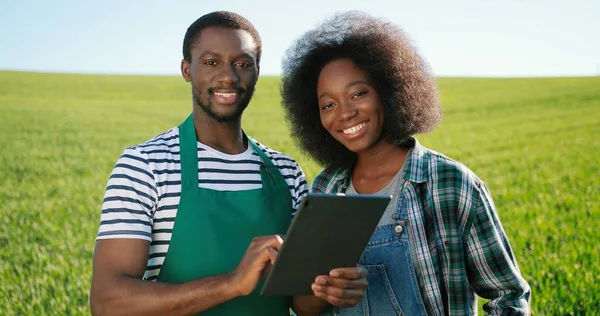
x,y
355,92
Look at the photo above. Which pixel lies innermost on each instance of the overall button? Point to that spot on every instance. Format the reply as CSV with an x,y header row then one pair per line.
x,y
399,229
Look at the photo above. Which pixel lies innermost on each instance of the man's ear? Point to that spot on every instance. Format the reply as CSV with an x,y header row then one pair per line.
x,y
257,74
186,71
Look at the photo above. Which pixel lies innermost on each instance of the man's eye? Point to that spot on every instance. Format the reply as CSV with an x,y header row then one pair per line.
x,y
244,65
210,63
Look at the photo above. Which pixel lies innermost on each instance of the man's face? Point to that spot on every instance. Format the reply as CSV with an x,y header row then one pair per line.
x,y
223,72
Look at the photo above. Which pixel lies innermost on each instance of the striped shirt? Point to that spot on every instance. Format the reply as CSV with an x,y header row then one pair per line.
x,y
459,247
144,188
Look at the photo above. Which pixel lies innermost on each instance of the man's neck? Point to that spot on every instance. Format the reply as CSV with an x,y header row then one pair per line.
x,y
225,137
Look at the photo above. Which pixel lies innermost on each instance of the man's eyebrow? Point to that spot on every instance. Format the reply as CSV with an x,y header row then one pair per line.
x,y
209,53
215,54
248,55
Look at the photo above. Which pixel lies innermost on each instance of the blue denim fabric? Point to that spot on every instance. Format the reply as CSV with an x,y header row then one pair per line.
x,y
393,287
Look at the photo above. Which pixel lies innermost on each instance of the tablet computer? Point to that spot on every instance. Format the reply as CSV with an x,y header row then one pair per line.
x,y
329,231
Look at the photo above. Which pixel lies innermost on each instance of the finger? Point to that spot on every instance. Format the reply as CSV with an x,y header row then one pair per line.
x,y
262,242
261,239
260,257
359,284
337,301
272,253
263,249
338,292
276,242
266,239
264,256
258,242
322,280
266,270
351,273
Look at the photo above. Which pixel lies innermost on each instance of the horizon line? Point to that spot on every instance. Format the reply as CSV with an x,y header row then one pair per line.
x,y
143,74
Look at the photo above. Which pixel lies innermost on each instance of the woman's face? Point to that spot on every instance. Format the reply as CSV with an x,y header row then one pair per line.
x,y
349,106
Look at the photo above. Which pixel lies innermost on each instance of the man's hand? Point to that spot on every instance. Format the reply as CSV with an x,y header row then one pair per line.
x,y
342,287
255,264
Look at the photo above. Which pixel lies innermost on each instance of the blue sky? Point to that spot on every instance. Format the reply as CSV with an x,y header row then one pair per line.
x,y
457,38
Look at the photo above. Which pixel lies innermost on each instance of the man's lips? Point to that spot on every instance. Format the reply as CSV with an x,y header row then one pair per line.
x,y
226,96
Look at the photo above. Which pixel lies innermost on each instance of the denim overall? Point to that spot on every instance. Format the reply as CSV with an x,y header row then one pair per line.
x,y
393,287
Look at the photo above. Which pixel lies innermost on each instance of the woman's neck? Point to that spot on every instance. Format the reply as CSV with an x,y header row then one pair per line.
x,y
376,167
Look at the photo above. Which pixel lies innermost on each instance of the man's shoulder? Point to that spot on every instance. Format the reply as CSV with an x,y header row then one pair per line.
x,y
163,144
277,157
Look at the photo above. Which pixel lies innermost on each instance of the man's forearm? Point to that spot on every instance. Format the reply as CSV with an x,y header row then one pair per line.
x,y
131,296
306,305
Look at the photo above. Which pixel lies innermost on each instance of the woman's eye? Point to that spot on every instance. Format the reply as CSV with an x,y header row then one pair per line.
x,y
326,106
359,94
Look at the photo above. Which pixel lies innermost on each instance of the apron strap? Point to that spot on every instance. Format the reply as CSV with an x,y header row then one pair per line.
x,y
267,164
188,145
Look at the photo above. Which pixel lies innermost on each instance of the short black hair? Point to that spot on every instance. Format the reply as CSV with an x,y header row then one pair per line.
x,y
408,90
224,19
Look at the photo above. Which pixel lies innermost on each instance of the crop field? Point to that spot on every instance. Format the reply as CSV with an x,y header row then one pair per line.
x,y
535,142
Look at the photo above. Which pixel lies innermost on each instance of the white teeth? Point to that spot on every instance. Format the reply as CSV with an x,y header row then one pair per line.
x,y
226,95
354,129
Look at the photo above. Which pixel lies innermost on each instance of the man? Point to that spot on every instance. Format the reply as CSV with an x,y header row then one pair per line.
x,y
191,218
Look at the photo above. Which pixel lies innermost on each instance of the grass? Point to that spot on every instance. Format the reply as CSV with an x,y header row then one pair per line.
x,y
535,142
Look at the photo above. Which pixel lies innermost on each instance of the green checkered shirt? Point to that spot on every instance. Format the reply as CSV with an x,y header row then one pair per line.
x,y
457,243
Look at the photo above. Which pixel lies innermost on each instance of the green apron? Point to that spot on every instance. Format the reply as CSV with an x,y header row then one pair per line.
x,y
213,229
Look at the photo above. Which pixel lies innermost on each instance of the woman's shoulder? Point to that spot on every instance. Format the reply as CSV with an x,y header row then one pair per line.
x,y
328,179
441,165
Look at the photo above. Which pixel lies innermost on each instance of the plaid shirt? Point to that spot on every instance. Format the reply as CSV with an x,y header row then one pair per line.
x,y
457,243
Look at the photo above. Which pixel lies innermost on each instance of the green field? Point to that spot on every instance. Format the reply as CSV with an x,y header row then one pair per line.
x,y
535,142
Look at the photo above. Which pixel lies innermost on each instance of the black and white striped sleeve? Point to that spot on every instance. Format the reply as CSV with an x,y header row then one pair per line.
x,y
130,199
300,188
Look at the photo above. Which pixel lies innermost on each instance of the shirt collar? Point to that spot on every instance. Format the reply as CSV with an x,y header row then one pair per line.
x,y
415,168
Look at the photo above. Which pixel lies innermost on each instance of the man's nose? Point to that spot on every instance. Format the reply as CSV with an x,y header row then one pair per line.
x,y
228,75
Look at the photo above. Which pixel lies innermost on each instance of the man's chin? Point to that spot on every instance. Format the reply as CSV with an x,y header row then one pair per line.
x,y
227,119
223,113
226,116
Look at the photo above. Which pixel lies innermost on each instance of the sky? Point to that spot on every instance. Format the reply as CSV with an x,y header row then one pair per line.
x,y
481,38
